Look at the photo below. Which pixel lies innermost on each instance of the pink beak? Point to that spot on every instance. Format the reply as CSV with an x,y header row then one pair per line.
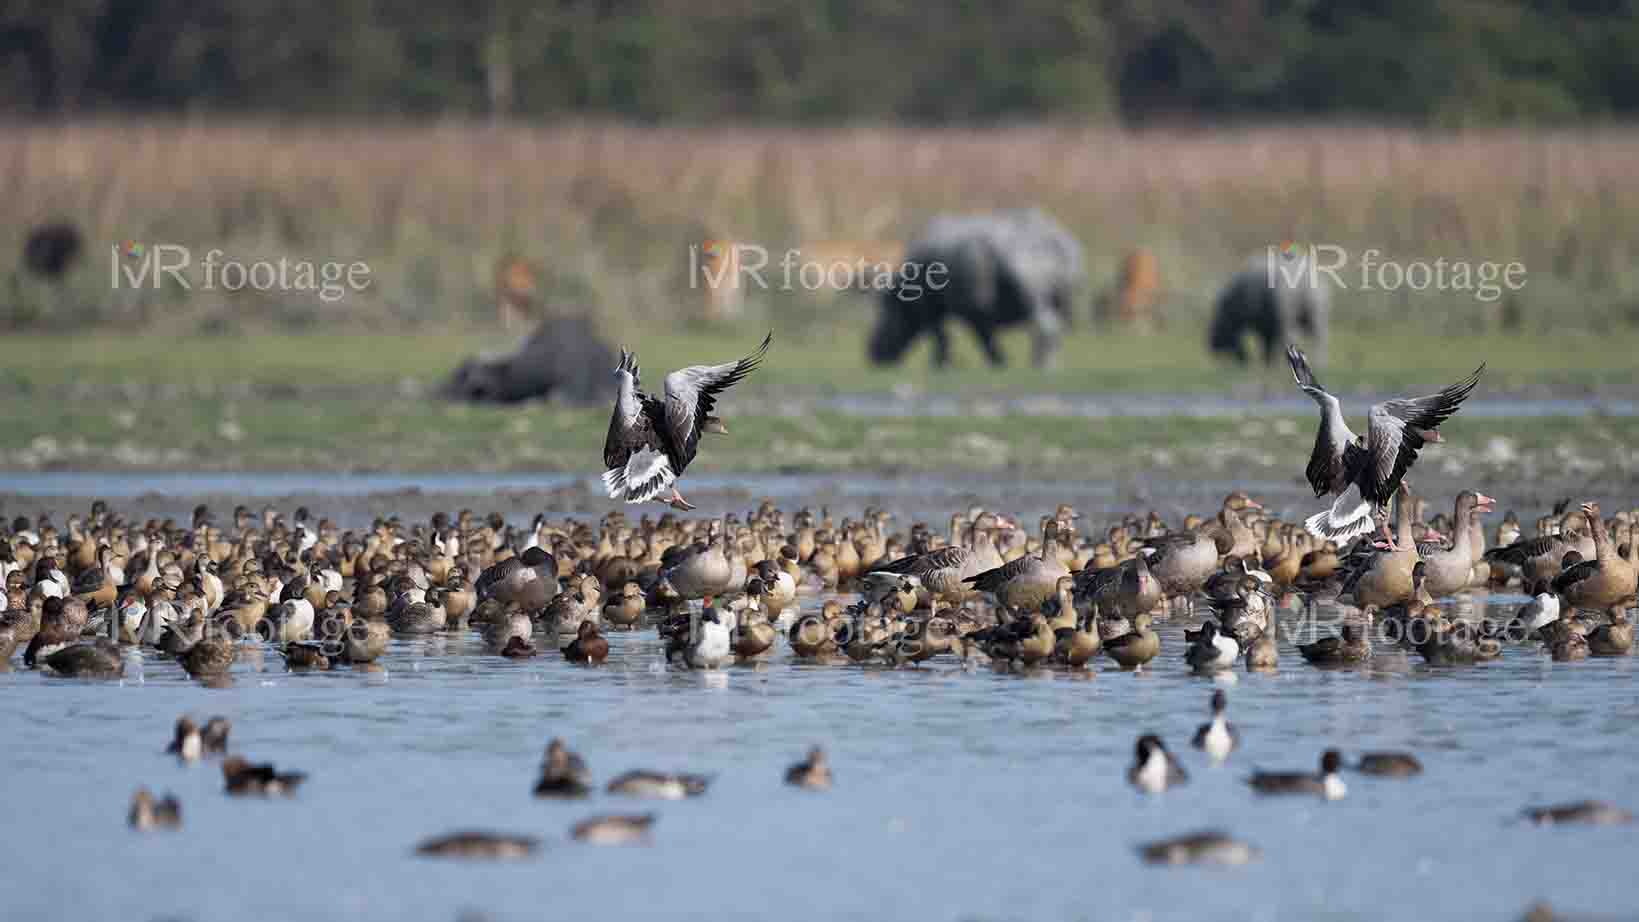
x,y
1486,503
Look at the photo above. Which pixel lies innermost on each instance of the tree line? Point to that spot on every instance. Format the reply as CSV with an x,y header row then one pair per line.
x,y
1438,62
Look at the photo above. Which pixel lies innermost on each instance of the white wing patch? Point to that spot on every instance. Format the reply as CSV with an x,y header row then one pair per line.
x,y
647,473
1341,522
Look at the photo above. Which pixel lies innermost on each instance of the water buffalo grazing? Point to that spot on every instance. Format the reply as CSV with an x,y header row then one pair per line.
x,y
1275,306
564,358
994,270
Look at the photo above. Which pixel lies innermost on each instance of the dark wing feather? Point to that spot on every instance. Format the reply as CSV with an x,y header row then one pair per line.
x,y
990,580
1326,462
1394,434
691,395
1521,551
920,564
1090,582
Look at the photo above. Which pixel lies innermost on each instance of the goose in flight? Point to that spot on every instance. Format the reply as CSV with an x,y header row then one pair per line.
x,y
1364,471
652,439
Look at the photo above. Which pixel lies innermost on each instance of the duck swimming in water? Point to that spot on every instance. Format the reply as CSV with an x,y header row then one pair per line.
x,y
812,773
1154,769
1217,738
1327,784
149,813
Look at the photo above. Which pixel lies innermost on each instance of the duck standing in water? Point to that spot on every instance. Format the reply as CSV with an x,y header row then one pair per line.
x,y
652,440
1364,472
1136,647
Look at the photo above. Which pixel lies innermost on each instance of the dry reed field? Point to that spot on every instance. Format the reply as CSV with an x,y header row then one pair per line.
x,y
609,210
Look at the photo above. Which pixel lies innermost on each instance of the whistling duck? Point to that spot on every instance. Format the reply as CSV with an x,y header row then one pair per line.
x,y
651,441
625,609
1263,652
1605,583
1076,646
1365,472
1132,650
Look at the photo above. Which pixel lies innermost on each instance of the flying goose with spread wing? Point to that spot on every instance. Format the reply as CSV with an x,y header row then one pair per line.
x,y
1364,471
651,440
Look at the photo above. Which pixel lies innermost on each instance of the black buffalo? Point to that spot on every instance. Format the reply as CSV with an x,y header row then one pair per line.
x,y
1274,307
993,270
564,358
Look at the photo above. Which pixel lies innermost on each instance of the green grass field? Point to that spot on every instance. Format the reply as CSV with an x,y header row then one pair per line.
x,y
272,365
359,403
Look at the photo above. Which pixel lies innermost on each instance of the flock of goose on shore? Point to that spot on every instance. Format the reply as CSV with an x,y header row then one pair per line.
x,y
851,591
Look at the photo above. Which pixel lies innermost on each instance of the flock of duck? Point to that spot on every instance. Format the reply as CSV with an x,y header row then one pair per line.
x,y
730,589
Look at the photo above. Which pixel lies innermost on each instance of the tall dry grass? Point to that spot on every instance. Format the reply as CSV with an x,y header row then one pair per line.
x,y
609,210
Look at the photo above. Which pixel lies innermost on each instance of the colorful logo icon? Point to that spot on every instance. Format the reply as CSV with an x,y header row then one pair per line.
x,y
1288,249
132,249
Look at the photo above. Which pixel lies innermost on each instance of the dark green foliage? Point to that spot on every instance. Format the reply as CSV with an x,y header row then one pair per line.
x,y
1446,62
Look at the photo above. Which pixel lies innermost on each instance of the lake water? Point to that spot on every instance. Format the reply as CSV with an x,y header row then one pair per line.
x,y
960,793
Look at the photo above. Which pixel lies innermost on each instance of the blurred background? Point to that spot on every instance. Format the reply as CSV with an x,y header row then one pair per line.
x,y
503,164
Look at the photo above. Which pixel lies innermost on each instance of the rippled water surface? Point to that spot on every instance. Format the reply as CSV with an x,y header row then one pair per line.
x,y
960,794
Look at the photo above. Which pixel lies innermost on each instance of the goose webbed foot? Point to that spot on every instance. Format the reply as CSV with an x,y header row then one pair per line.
x,y
678,502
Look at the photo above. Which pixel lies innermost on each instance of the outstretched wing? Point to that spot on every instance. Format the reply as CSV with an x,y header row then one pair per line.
x,y
1326,471
691,396
1395,433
